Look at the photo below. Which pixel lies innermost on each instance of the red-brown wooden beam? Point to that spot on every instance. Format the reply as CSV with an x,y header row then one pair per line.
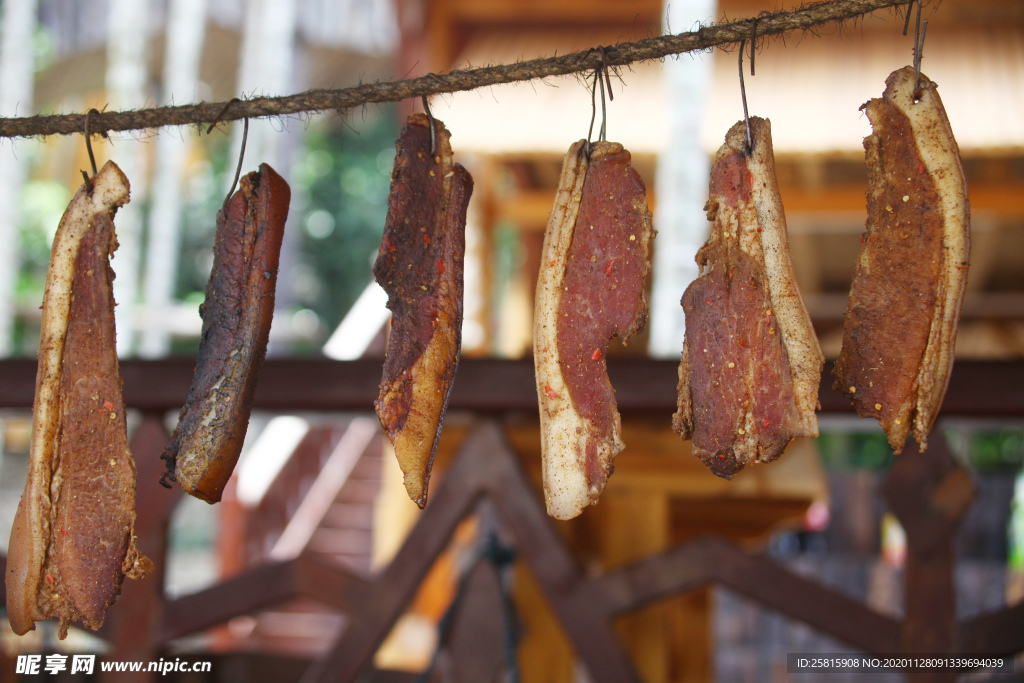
x,y
570,595
485,466
488,386
261,587
710,559
929,492
996,633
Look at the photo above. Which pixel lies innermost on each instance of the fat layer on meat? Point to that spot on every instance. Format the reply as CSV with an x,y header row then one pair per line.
x,y
751,363
910,276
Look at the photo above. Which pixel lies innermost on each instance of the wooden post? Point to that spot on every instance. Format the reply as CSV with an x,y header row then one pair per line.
x,y
929,492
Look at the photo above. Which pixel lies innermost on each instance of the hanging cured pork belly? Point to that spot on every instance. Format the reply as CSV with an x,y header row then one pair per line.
x,y
73,539
591,287
751,365
420,266
237,314
909,279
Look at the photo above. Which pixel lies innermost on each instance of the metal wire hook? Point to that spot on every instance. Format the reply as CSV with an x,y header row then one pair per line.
x,y
593,112
241,155
242,152
743,96
88,148
604,68
430,120
753,44
602,81
221,114
919,35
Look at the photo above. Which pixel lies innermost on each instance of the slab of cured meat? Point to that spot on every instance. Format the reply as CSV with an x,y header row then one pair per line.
x,y
909,279
420,266
237,313
591,288
73,539
751,365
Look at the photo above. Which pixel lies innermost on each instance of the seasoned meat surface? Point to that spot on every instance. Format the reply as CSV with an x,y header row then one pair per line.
x,y
591,288
420,266
749,374
910,276
73,539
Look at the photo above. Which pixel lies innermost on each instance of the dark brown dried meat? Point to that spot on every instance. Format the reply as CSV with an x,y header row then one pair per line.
x,y
237,313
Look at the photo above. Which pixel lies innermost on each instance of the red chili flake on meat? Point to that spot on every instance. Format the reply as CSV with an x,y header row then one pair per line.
x,y
49,578
426,239
707,301
721,456
550,392
63,531
742,341
596,355
608,270
920,167
551,263
767,423
759,229
108,405
440,267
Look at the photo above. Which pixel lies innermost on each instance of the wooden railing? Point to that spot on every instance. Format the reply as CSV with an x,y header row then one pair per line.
x,y
929,492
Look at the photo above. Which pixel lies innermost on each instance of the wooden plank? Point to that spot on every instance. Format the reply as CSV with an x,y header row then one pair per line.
x,y
250,591
490,386
684,568
314,505
709,559
993,306
997,633
326,582
1001,199
261,587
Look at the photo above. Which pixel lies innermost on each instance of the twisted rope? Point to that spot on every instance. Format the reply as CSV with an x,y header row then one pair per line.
x,y
806,18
